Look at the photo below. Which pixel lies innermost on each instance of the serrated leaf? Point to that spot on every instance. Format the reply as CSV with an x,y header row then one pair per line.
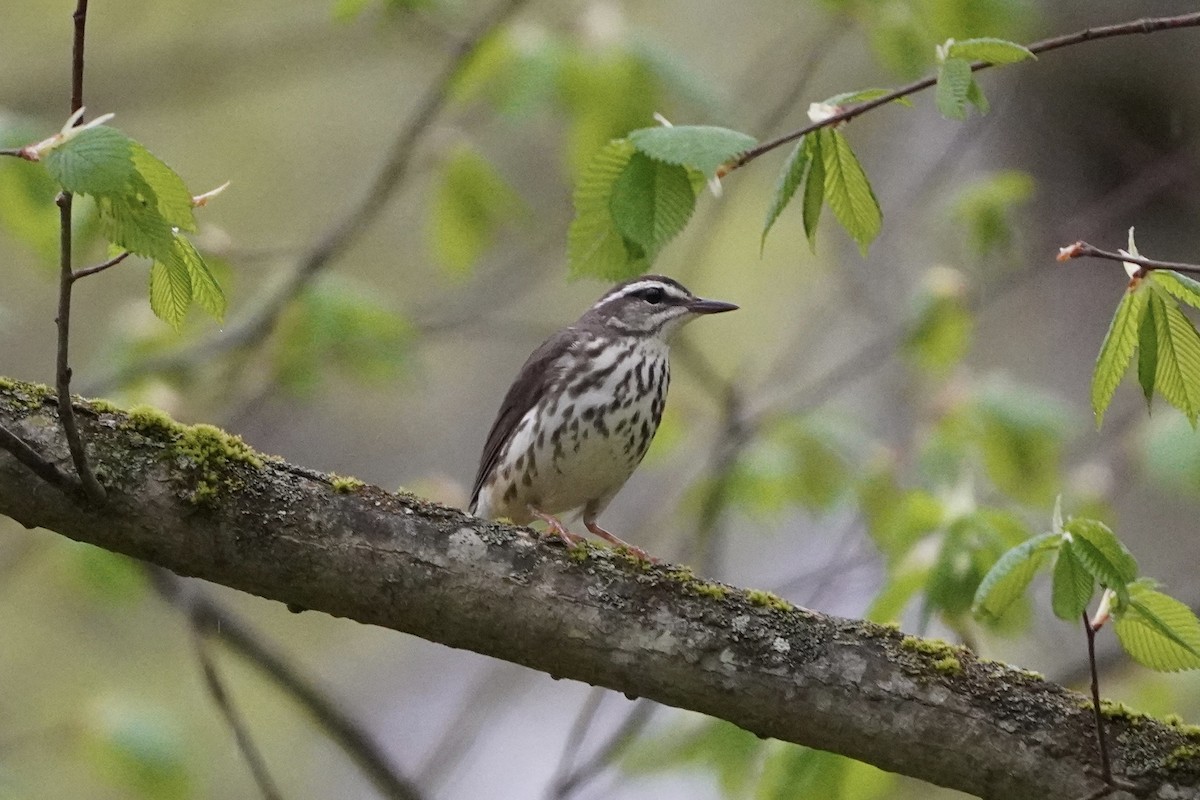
x,y
204,287
790,178
1124,567
1117,349
1010,576
96,161
651,202
814,188
1179,286
1177,376
1147,365
991,50
1158,631
171,195
1073,586
702,147
170,291
848,191
136,226
953,82
594,245
862,96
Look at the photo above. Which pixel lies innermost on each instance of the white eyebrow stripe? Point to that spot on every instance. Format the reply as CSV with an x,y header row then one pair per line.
x,y
639,286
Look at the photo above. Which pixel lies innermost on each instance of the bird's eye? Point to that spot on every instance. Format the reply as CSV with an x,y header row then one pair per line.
x,y
653,295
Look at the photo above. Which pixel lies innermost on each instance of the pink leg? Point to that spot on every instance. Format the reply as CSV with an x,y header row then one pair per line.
x,y
608,537
556,527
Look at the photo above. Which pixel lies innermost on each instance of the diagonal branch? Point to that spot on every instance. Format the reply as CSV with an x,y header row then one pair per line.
x,y
263,526
1137,26
337,239
211,618
1085,250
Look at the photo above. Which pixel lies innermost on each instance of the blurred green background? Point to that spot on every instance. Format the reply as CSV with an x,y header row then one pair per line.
x,y
820,443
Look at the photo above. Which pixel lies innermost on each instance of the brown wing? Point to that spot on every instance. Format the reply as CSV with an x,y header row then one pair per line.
x,y
535,377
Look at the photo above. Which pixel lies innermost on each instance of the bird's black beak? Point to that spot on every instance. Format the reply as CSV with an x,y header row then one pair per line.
x,y
702,306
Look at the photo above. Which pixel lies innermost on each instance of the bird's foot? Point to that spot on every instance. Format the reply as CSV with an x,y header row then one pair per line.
x,y
636,551
557,528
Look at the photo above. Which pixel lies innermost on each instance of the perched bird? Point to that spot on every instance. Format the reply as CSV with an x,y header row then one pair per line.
x,y
583,409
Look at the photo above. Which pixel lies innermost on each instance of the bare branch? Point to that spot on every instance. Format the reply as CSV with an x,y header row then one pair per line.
x,y
220,696
46,470
211,618
1085,250
112,262
346,230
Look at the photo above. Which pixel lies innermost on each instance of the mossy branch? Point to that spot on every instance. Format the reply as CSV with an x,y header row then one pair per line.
x,y
201,503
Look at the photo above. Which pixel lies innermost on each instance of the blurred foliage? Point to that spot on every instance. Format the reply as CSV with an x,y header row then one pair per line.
x,y
27,210
470,203
336,324
987,209
138,749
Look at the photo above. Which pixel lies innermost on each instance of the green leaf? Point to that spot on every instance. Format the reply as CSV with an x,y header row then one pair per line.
x,y
953,82
337,325
1158,631
940,334
204,287
651,202
862,96
814,188
991,50
1117,349
1021,434
790,179
170,291
172,198
1179,286
1147,365
791,772
1010,576
703,147
848,191
976,97
1178,369
1101,537
96,161
1073,586
470,203
594,245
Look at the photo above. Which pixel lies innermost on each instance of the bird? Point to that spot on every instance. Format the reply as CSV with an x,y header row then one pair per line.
x,y
583,409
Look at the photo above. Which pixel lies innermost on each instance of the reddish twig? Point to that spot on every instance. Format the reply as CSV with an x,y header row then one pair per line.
x,y
1105,768
1146,25
1085,250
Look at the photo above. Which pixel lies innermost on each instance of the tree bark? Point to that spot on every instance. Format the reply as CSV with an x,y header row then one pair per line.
x,y
202,504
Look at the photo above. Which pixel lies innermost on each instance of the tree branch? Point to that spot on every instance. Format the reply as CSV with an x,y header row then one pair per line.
x,y
1146,25
1085,250
863,690
345,230
211,618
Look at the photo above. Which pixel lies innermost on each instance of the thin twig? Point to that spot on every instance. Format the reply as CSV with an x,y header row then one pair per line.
x,y
610,751
112,262
66,413
46,470
1105,768
220,696
1147,25
338,237
1085,250
214,619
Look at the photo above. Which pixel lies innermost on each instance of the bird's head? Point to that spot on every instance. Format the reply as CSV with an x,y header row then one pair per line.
x,y
650,305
